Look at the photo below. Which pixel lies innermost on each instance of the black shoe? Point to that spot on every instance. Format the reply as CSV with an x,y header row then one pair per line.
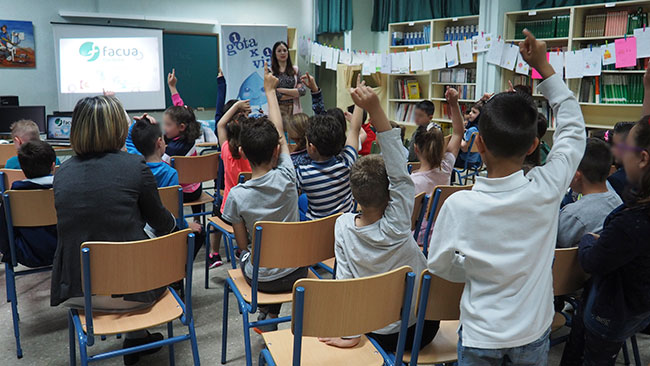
x,y
214,260
133,358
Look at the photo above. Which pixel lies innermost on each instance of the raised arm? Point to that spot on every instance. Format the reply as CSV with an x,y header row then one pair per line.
x,y
242,105
221,96
457,121
365,98
357,115
171,82
317,104
645,110
270,83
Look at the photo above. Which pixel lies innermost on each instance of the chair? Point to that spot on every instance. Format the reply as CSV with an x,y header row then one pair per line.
x,y
275,245
413,166
7,151
440,195
468,170
29,208
172,198
131,267
438,299
419,209
9,176
334,308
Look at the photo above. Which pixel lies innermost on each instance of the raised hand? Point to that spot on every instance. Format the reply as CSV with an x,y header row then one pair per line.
x,y
310,82
452,96
243,106
270,81
171,79
534,53
220,75
146,117
108,93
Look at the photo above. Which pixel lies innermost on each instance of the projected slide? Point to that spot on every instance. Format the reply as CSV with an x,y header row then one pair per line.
x,y
89,65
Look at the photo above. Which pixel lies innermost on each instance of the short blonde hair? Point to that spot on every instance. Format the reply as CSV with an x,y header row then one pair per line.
x,y
25,129
99,125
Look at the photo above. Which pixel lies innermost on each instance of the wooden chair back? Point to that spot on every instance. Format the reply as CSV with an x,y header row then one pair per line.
x,y
244,176
335,308
31,208
568,275
443,298
11,176
474,145
196,169
413,166
445,192
7,151
296,244
137,266
170,197
417,208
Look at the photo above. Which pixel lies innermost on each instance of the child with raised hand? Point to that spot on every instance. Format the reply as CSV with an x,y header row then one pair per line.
x,y
270,195
505,258
616,301
379,239
436,161
465,155
424,111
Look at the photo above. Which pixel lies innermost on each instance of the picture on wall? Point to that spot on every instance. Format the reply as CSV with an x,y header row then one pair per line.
x,y
17,48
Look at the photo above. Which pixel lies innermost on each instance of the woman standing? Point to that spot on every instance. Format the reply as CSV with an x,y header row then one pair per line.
x,y
103,194
290,89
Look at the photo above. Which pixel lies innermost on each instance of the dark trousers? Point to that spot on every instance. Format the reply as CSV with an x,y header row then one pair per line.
x,y
389,341
193,196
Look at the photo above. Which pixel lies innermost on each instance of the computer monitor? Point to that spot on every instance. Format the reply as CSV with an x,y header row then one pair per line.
x,y
11,114
58,128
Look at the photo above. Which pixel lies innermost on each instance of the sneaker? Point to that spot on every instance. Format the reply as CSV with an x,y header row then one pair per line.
x,y
133,358
238,254
214,259
264,328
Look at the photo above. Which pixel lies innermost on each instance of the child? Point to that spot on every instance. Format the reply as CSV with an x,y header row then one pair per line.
x,y
506,255
424,111
379,239
326,180
296,125
436,162
366,128
616,301
23,131
618,180
35,246
588,214
270,195
474,159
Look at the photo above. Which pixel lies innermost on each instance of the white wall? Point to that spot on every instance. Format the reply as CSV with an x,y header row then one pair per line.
x,y
37,86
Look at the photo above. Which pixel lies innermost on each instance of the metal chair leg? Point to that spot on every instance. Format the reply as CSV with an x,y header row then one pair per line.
x,y
207,260
170,334
71,341
13,299
195,347
247,339
626,356
635,351
224,322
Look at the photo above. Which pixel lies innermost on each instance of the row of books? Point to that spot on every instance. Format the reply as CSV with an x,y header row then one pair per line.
x,y
407,89
616,24
641,64
405,112
526,80
411,38
464,91
545,110
446,111
457,75
557,26
595,25
458,33
612,89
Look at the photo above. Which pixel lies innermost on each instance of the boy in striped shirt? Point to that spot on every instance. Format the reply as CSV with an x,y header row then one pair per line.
x,y
326,179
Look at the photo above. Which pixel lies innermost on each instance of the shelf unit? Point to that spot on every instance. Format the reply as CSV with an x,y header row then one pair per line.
x,y
292,41
430,86
596,115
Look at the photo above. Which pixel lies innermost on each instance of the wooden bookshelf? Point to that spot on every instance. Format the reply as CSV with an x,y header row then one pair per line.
x,y
292,41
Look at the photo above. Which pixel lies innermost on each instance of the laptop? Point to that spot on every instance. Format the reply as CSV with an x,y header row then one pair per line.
x,y
58,130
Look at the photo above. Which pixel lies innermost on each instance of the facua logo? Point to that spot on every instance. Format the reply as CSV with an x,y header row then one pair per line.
x,y
58,122
89,50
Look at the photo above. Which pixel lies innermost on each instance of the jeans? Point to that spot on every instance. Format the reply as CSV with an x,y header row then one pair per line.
x,y
535,353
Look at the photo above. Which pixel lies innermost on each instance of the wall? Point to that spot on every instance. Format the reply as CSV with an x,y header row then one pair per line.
x,y
38,86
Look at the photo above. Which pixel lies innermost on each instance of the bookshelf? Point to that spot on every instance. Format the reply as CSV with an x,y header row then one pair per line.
x,y
583,33
430,33
292,41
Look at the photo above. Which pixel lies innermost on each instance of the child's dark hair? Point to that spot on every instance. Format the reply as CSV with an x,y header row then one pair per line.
x,y
623,128
144,135
369,181
508,125
597,161
542,125
642,140
259,138
326,134
402,129
296,127
233,131
427,106
36,158
229,105
185,115
520,88
338,115
430,143
365,114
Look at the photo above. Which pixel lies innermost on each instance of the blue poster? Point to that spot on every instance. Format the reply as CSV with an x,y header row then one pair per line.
x,y
17,48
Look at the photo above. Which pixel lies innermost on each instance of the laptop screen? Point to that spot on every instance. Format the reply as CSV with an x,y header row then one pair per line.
x,y
58,127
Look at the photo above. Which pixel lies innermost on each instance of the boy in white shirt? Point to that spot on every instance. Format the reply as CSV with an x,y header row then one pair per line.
x,y
505,259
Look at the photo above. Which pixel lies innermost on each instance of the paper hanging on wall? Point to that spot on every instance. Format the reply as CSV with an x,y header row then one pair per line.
x,y
433,59
522,66
386,66
642,42
556,59
334,60
400,62
625,52
451,54
357,58
509,56
378,62
465,51
495,52
481,43
369,66
325,54
592,61
303,47
574,64
345,57
415,58
608,53
315,53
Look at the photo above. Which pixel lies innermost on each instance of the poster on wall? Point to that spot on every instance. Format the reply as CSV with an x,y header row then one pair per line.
x,y
245,49
17,44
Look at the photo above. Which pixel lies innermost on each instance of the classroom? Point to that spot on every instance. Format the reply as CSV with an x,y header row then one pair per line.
x,y
325,182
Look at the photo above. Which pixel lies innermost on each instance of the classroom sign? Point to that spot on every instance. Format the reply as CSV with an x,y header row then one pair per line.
x,y
245,49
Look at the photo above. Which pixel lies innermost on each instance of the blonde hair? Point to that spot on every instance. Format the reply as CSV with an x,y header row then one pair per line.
x,y
25,129
99,125
296,126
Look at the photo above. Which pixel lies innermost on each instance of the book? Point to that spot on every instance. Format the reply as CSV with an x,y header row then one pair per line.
x,y
413,89
457,75
616,23
595,25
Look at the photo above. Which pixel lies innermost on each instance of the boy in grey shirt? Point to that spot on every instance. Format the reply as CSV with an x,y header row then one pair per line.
x,y
270,195
588,214
379,239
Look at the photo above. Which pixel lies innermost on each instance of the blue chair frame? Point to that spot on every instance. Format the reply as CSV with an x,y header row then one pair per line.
x,y
87,339
389,359
467,171
418,222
